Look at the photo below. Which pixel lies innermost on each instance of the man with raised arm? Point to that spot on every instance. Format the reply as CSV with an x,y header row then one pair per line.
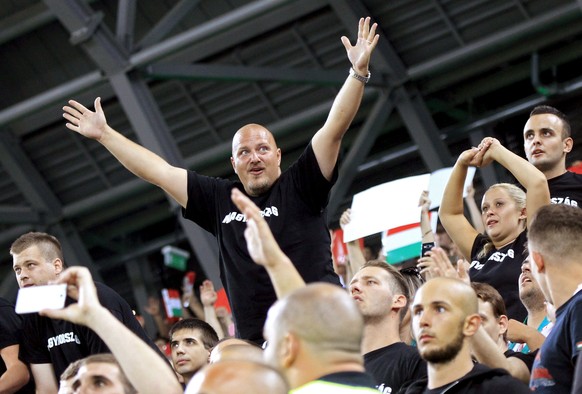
x,y
136,358
293,201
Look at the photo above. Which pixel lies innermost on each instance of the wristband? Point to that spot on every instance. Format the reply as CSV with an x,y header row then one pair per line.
x,y
359,77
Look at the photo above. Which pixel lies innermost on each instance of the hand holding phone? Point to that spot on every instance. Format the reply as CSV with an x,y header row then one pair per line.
x,y
35,298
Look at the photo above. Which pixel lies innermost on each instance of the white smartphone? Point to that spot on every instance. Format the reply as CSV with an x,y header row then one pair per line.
x,y
33,299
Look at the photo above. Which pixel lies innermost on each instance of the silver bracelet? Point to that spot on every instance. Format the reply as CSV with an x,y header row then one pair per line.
x,y
359,77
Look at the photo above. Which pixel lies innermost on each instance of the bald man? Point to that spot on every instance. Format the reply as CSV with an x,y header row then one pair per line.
x,y
555,251
237,352
314,337
445,316
293,201
238,376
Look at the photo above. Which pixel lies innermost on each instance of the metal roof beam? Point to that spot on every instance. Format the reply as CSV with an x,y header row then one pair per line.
x,y
217,72
407,99
167,23
202,41
495,42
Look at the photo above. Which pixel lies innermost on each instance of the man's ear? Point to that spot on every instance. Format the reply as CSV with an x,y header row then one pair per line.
x,y
503,322
398,301
537,259
472,324
568,144
58,264
279,156
289,350
233,166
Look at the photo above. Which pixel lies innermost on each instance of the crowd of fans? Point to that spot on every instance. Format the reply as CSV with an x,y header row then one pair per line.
x,y
491,305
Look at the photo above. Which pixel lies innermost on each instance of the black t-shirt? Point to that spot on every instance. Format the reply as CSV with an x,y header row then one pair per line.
x,y
480,380
294,207
566,189
394,366
60,342
527,358
10,335
501,269
553,369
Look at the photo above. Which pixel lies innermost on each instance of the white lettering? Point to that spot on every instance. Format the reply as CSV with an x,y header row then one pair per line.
x,y
476,264
239,217
565,201
60,339
383,389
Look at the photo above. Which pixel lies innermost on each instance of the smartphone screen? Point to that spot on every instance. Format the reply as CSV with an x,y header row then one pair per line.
x,y
33,299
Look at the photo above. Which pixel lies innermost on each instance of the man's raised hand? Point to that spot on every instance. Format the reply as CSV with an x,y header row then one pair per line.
x,y
359,54
84,121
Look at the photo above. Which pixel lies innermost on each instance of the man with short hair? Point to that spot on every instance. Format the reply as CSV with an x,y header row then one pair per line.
x,y
547,141
314,337
137,358
444,318
489,343
293,201
381,293
67,378
101,373
191,341
51,345
555,257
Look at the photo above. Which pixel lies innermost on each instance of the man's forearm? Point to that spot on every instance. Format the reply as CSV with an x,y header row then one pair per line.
x,y
133,354
284,276
146,164
14,378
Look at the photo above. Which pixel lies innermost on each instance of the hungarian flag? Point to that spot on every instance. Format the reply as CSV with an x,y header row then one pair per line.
x,y
402,243
172,303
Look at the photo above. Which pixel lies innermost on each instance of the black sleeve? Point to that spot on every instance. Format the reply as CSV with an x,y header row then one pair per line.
x,y
10,326
33,350
527,358
313,187
202,197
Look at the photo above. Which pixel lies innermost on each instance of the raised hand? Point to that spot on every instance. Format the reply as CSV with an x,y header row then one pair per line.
x,y
475,156
424,201
345,218
153,306
436,263
208,296
359,54
84,121
261,244
493,145
79,284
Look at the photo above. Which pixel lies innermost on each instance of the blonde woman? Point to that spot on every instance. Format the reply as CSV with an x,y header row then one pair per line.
x,y
497,255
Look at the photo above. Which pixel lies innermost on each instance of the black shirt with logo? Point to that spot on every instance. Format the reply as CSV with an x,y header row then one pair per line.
x,y
294,207
61,342
566,189
501,269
